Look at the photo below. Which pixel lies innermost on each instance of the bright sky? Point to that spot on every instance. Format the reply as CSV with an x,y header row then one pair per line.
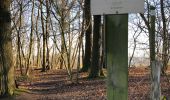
x,y
142,39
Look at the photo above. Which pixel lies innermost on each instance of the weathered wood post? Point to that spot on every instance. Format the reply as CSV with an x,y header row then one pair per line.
x,y
117,56
152,34
116,38
155,86
155,65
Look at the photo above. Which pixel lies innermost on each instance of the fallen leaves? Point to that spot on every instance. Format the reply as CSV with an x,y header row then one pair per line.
x,y
54,85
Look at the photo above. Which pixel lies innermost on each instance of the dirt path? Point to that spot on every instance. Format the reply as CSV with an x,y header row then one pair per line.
x,y
54,85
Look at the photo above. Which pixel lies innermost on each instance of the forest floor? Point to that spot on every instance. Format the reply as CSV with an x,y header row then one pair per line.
x,y
54,85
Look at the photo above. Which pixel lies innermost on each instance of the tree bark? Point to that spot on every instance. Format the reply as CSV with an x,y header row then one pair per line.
x,y
44,38
31,40
165,39
88,37
47,34
6,58
38,39
19,39
94,68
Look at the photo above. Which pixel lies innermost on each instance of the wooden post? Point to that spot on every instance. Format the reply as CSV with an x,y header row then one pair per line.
x,y
155,65
155,87
152,34
117,56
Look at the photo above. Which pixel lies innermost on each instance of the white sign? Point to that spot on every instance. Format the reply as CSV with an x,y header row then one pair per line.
x,y
100,7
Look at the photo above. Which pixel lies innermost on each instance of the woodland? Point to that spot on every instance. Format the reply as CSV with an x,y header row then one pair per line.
x,y
56,50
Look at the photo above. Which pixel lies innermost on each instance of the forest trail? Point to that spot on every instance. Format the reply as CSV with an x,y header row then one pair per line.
x,y
54,85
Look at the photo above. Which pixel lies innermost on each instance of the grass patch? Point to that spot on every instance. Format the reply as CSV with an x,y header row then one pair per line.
x,y
20,91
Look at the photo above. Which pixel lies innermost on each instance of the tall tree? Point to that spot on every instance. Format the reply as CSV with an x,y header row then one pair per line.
x,y
164,37
18,37
31,39
47,33
44,37
94,68
161,29
38,38
88,37
6,58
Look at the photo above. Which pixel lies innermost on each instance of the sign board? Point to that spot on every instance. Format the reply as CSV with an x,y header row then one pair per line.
x,y
100,7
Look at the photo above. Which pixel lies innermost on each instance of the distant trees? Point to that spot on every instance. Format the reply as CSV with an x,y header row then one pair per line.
x,y
67,15
6,56
142,24
54,34
24,49
162,47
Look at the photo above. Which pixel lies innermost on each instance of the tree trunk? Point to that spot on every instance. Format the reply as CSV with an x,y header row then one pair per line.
x,y
165,39
19,40
6,58
31,40
47,34
38,39
88,37
44,39
94,68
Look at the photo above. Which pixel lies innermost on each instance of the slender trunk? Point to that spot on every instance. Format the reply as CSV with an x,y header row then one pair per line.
x,y
134,48
47,34
165,39
31,39
38,39
52,58
44,39
19,40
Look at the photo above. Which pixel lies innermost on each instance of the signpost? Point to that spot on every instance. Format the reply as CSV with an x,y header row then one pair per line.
x,y
116,38
117,56
100,7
